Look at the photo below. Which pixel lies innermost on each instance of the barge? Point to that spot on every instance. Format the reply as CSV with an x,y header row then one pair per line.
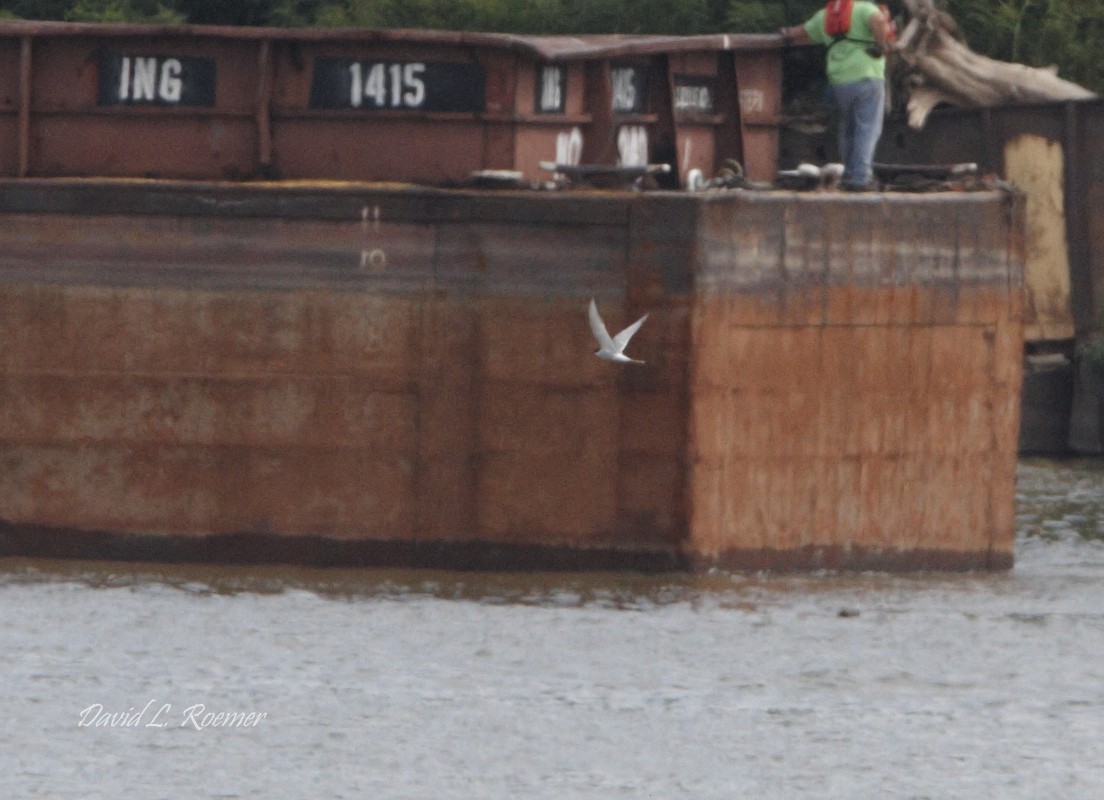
x,y
340,372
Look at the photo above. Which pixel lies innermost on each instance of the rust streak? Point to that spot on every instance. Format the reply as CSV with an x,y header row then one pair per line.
x,y
264,102
25,53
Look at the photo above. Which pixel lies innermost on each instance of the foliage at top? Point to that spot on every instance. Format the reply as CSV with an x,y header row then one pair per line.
x,y
1068,34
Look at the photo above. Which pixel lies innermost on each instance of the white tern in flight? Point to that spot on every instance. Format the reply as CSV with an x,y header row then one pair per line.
x,y
612,349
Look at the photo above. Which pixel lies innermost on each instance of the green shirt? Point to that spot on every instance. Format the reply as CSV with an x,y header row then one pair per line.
x,y
847,60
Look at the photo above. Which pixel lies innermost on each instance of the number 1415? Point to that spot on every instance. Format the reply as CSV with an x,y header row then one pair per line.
x,y
387,85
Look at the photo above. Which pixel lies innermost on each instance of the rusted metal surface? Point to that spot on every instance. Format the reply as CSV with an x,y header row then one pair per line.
x,y
838,347
1053,151
1075,193
406,376
427,107
24,106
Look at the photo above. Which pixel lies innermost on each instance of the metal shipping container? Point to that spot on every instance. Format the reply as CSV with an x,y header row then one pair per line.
x,y
429,107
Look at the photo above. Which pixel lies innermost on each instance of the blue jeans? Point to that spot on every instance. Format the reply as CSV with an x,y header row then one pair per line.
x,y
861,108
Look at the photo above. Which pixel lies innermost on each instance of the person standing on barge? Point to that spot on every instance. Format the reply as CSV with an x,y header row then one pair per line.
x,y
858,36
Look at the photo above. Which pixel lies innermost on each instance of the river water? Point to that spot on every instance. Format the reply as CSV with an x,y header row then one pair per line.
x,y
141,681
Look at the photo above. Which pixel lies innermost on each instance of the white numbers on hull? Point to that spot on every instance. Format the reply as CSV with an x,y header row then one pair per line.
x,y
387,85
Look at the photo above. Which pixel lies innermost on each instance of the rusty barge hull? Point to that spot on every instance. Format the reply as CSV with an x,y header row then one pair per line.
x,y
391,375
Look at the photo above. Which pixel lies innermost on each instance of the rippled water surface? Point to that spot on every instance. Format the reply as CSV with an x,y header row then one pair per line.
x,y
430,685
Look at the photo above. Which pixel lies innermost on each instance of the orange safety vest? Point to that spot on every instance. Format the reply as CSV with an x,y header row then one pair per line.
x,y
837,20
837,17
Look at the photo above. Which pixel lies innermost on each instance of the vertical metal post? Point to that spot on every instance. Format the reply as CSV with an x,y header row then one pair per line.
x,y
24,106
600,144
730,134
264,102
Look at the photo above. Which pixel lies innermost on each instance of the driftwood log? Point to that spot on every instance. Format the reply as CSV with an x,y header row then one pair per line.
x,y
935,66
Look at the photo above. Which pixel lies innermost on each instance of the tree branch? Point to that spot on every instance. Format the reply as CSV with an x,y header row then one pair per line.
x,y
939,68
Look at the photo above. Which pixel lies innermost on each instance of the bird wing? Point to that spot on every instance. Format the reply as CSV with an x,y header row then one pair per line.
x,y
621,340
598,328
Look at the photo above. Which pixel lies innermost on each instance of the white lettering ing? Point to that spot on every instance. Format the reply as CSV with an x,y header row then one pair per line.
x,y
142,79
